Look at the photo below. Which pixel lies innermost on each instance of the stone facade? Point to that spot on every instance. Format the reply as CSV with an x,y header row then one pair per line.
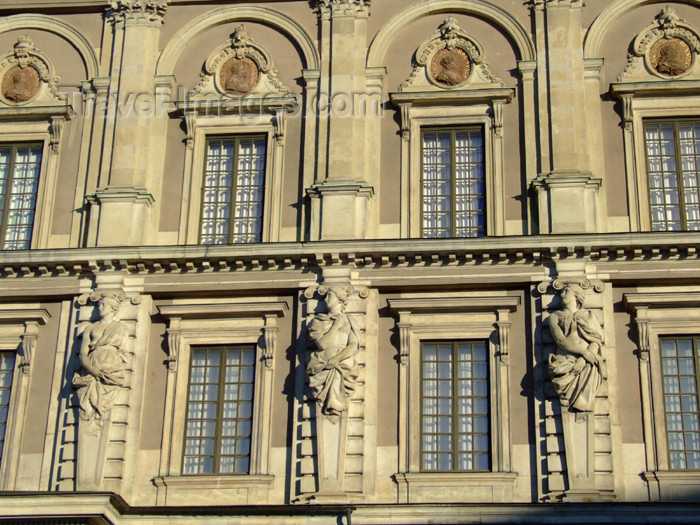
x,y
234,234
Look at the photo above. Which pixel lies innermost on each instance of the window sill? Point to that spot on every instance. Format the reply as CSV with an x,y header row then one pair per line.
x,y
673,485
216,489
455,487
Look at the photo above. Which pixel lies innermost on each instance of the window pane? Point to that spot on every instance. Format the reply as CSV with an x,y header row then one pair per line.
x,y
7,368
19,181
220,410
233,190
455,413
672,151
679,358
453,183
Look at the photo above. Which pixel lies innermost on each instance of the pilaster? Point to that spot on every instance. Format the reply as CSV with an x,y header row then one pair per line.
x,y
567,191
126,183
343,112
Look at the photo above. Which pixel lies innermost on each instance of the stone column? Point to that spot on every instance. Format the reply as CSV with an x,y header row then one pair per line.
x,y
120,208
567,190
340,193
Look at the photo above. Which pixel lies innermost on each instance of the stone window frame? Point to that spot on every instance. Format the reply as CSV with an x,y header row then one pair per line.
x,y
656,315
19,332
646,101
450,318
206,119
43,127
212,323
452,109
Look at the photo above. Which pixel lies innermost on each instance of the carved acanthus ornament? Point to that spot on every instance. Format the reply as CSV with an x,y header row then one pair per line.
x,y
665,49
27,76
405,327
503,323
270,336
151,12
643,334
239,68
28,346
450,59
336,338
356,8
174,343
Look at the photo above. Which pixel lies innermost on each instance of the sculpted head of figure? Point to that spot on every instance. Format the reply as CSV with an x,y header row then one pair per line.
x,y
108,305
336,299
571,293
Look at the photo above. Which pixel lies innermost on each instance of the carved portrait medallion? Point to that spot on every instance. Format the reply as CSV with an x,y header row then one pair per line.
x,y
239,75
20,84
450,67
670,56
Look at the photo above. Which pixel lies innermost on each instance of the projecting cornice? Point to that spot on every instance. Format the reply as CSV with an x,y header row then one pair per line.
x,y
357,8
376,254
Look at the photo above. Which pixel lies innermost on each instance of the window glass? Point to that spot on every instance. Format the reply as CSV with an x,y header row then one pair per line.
x,y
453,183
7,367
234,187
219,410
679,369
19,180
455,426
673,150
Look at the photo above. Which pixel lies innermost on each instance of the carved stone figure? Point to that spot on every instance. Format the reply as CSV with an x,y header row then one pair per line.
x,y
103,359
670,56
450,66
577,369
239,75
332,367
20,84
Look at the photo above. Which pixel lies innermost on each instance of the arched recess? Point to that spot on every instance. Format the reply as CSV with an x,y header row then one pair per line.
x,y
486,10
52,25
265,15
609,15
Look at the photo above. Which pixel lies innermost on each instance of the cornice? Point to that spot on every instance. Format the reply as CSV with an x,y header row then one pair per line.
x,y
356,8
148,12
541,4
620,248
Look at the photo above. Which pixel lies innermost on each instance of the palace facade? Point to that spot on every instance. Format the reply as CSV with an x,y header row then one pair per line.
x,y
349,261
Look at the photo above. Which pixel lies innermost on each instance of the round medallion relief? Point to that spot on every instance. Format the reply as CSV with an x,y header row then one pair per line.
x,y
239,75
670,56
20,84
450,67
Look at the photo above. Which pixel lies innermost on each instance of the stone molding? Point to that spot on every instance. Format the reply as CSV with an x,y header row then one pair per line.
x,y
226,15
449,36
217,322
138,12
355,8
666,26
495,14
269,310
542,4
56,26
25,55
658,314
239,46
601,248
422,317
19,332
